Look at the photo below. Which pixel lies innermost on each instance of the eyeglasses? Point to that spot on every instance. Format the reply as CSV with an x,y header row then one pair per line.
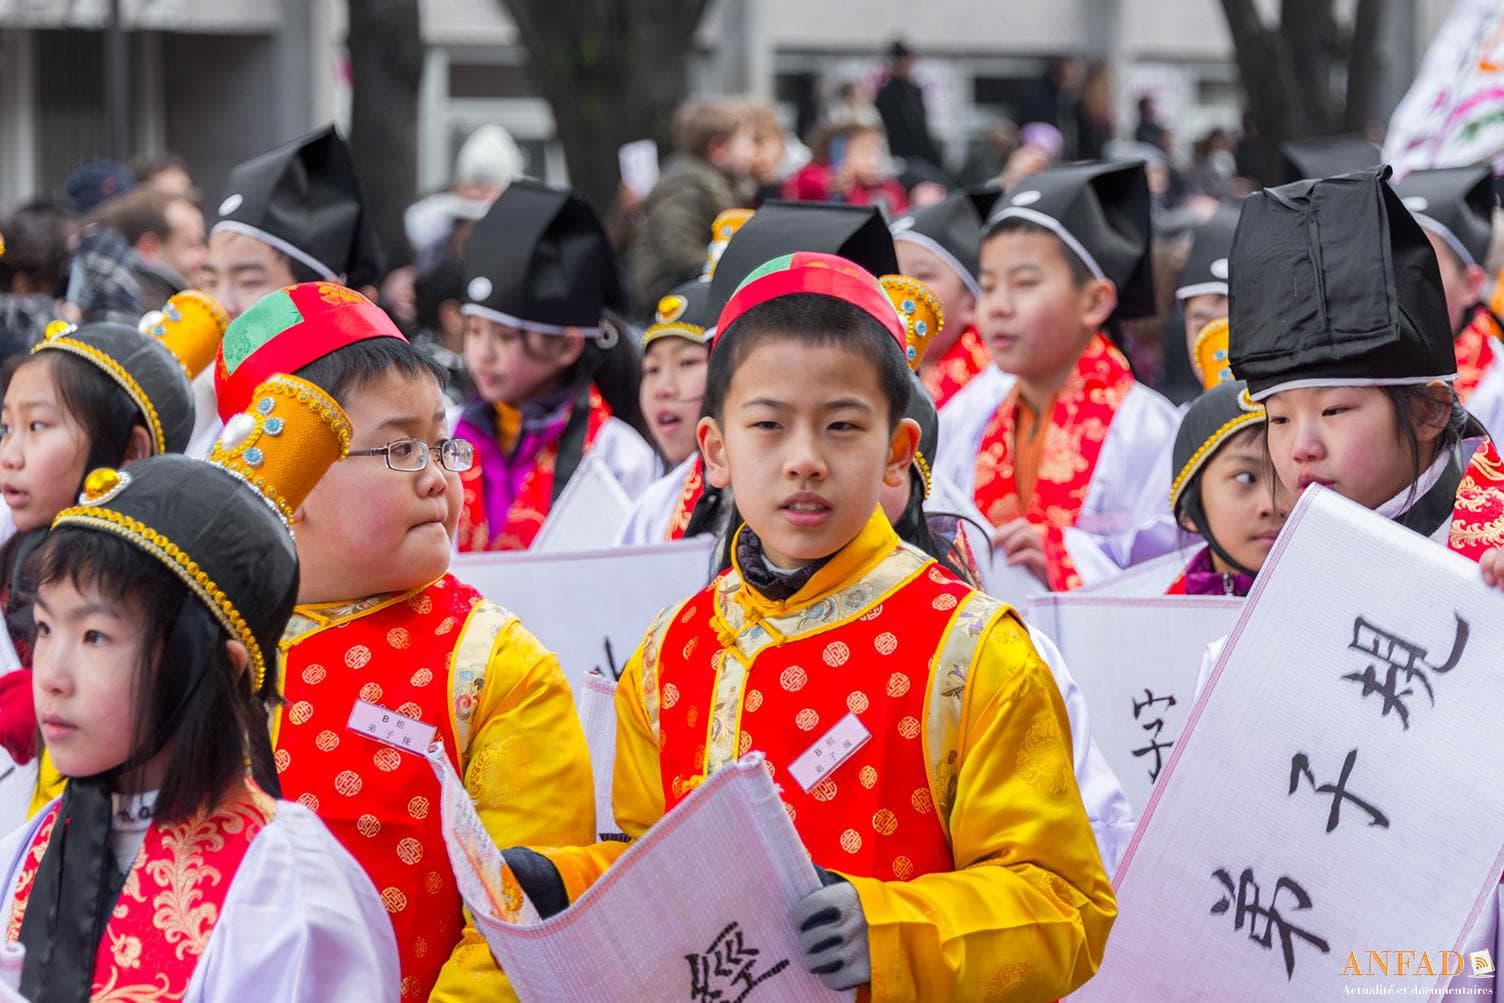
x,y
411,455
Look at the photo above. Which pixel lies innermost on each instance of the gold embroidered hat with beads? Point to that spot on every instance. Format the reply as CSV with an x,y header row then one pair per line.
x,y
1210,356
918,310
922,318
149,374
223,526
190,326
721,232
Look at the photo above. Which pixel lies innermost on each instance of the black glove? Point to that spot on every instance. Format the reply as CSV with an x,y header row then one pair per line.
x,y
539,879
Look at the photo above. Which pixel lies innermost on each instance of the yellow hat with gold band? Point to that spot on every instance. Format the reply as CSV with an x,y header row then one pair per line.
x,y
918,310
222,526
1210,358
190,326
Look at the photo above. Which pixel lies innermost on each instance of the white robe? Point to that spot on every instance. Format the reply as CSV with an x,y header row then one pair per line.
x,y
627,455
1487,400
1126,513
301,922
1107,808
654,508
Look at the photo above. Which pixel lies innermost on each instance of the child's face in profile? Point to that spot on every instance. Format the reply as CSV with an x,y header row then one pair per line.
x,y
512,366
366,529
673,385
804,441
1346,438
87,653
43,449
1035,319
1238,499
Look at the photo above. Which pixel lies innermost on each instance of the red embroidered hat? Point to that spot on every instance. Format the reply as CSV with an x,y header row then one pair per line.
x,y
285,331
822,274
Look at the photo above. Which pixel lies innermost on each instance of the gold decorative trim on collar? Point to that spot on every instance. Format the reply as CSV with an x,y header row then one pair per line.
x,y
181,564
115,371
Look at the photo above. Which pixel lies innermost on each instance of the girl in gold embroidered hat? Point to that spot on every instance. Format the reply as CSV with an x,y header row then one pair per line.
x,y
167,869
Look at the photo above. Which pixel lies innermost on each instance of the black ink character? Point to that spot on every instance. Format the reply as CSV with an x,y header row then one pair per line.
x,y
1406,663
723,973
1248,907
1155,747
1300,766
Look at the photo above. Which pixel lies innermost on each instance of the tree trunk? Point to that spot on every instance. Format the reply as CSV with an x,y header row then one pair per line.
x,y
1270,93
612,71
386,67
1363,65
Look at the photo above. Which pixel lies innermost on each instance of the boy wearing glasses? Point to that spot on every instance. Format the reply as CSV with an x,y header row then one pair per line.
x,y
387,651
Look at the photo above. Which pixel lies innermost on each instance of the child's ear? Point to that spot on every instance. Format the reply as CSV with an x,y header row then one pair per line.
x,y
1475,277
137,447
572,346
239,657
901,449
1099,298
1430,416
713,449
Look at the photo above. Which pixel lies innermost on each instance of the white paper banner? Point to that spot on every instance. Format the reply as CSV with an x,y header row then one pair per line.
x,y
1453,114
596,701
698,909
1150,578
588,514
590,608
1136,662
1334,792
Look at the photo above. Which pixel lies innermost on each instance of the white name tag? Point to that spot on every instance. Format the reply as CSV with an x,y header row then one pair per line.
x,y
387,726
829,751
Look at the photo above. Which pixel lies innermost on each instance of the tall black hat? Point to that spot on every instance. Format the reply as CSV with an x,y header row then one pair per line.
x,y
1333,283
304,199
540,260
1456,204
1205,271
1321,158
951,230
856,233
1100,211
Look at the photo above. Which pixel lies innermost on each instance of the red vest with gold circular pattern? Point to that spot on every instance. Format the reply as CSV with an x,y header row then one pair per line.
x,y
875,814
381,804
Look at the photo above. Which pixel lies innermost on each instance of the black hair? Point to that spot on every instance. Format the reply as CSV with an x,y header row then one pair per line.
x,y
816,320
914,527
1416,404
1080,273
186,690
107,415
358,365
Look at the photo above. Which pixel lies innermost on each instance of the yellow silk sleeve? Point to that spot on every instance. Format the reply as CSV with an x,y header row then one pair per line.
x,y
1026,913
636,784
528,772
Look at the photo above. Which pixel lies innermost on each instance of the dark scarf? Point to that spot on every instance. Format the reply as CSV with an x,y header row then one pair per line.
x,y
773,585
71,898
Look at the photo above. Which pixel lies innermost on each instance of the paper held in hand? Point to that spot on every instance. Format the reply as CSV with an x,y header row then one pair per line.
x,y
1331,799
698,909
